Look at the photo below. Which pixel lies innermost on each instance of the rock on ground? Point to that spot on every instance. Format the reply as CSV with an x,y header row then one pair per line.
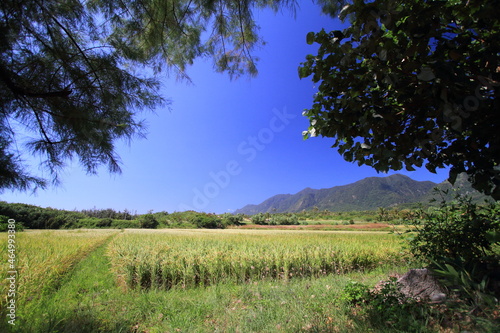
x,y
421,284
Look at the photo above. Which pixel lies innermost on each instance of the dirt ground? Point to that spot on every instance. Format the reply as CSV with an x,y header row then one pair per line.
x,y
365,226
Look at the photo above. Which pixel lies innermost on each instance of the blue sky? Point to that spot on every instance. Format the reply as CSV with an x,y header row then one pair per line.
x,y
223,144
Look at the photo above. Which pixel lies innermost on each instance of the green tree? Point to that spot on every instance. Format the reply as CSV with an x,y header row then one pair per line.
x,y
382,214
411,83
148,221
259,218
4,224
74,75
230,219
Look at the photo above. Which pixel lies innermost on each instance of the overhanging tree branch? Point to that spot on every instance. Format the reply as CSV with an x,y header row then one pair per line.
x,y
6,77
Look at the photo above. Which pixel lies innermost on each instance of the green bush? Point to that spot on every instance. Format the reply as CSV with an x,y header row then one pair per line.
x,y
386,308
123,224
279,219
148,221
355,293
4,224
456,229
88,222
467,280
62,220
259,218
209,221
95,222
181,219
230,219
105,223
457,240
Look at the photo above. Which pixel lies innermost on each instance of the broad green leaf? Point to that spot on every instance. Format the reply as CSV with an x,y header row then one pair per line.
x,y
310,38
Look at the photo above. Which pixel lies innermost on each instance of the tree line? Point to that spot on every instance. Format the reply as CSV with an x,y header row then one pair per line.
x,y
35,217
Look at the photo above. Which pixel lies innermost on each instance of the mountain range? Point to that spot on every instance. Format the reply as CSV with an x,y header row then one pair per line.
x,y
366,194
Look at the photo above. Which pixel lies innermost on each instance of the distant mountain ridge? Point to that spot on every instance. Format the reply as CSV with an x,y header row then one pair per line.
x,y
366,194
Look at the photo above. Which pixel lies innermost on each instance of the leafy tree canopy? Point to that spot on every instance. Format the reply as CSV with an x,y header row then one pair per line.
x,y
411,83
74,74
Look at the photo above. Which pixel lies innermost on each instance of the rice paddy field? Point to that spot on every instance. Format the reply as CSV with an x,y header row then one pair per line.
x,y
198,280
192,258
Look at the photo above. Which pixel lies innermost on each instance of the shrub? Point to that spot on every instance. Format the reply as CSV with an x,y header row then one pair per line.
x,y
355,292
148,221
104,223
209,221
458,240
88,222
458,229
4,224
122,224
62,220
279,219
386,307
259,218
230,219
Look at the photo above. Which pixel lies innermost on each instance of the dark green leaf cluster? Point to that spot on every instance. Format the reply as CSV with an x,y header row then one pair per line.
x,y
412,83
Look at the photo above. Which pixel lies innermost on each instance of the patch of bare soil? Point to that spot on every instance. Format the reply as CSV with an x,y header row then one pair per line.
x,y
367,226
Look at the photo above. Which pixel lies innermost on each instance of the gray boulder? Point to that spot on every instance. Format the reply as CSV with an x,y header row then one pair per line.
x,y
422,285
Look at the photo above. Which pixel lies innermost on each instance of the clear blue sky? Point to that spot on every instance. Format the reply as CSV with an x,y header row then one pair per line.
x,y
223,144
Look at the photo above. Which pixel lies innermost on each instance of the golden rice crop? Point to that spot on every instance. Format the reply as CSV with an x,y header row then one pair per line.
x,y
180,258
44,256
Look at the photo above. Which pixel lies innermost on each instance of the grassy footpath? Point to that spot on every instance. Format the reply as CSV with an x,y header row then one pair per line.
x,y
89,300
43,262
70,307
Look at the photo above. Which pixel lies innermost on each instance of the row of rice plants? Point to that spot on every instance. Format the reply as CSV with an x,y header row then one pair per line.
x,y
162,259
43,257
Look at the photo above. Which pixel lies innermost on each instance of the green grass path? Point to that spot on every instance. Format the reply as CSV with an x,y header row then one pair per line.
x,y
74,304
